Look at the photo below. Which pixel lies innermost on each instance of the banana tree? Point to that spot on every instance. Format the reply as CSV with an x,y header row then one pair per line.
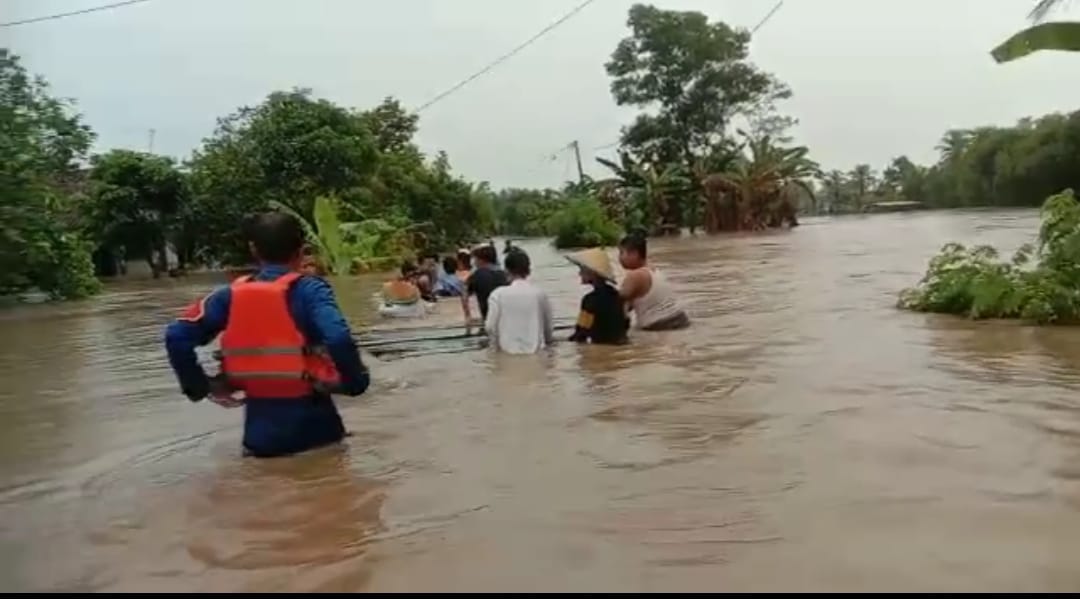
x,y
324,232
371,243
759,190
649,193
1063,36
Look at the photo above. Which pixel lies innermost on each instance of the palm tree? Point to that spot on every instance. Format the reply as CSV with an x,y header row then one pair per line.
x,y
953,144
834,188
862,179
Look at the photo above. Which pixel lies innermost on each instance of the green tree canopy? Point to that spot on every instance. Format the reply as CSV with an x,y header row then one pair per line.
x,y
42,144
695,74
290,149
135,205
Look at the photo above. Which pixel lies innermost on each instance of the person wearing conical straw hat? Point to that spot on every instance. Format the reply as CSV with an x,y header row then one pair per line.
x,y
602,318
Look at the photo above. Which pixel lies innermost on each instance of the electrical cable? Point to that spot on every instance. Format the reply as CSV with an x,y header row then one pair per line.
x,y
504,57
72,13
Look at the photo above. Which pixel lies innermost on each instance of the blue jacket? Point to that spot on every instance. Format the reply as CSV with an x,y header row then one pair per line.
x,y
275,427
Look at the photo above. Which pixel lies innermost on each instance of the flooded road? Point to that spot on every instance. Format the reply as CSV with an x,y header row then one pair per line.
x,y
802,435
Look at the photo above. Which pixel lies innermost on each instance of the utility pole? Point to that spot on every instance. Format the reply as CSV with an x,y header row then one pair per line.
x,y
150,145
577,156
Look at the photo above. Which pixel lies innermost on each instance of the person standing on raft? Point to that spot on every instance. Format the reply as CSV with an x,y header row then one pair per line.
x,y
647,291
285,346
602,318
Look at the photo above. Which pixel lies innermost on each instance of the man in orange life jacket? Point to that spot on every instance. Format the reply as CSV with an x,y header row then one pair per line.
x,y
284,345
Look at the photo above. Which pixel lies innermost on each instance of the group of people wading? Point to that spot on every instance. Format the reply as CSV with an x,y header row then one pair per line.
x,y
285,346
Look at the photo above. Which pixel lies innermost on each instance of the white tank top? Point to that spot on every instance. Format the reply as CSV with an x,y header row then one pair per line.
x,y
658,303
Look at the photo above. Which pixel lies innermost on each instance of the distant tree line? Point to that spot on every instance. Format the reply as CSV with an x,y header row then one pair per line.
x,y
66,215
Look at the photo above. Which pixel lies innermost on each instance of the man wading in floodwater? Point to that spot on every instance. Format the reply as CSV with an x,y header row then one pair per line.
x,y
284,347
646,290
485,279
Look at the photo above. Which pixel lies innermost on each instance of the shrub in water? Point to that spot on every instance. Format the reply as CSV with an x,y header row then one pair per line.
x,y
583,223
1039,284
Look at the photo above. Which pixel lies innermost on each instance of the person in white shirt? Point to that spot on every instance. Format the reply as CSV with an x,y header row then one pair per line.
x,y
519,317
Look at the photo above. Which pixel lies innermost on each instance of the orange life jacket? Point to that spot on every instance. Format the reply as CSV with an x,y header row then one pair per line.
x,y
263,353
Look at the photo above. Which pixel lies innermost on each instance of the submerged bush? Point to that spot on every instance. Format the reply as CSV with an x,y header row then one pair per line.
x,y
1039,284
583,223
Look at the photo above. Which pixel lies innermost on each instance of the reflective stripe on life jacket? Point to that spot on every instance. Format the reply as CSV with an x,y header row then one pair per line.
x,y
263,353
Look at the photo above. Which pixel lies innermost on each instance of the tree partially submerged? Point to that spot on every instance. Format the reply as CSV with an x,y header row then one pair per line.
x,y
760,190
692,78
135,205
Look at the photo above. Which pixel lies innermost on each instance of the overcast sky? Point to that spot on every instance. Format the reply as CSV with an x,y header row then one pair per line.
x,y
872,79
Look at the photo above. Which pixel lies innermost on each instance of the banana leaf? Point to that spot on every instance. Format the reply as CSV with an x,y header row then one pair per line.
x,y
325,233
1062,35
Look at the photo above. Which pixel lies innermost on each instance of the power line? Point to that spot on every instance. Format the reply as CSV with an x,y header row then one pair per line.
x,y
506,56
766,18
72,13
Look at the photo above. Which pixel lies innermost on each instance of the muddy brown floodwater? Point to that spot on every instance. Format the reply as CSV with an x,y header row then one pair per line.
x,y
803,435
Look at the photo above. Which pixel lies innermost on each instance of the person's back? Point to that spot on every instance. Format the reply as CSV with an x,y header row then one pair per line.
x,y
519,319
403,290
610,323
482,282
282,355
449,283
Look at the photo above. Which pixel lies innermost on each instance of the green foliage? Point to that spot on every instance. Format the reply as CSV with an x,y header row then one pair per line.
x,y
1062,36
645,196
135,205
41,142
1047,36
528,212
693,78
761,188
696,73
976,283
290,149
345,247
987,166
1007,166
583,223
63,266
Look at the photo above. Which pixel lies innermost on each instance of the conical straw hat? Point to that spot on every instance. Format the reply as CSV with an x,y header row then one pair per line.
x,y
595,260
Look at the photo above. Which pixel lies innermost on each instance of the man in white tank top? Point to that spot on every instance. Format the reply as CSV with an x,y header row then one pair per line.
x,y
646,291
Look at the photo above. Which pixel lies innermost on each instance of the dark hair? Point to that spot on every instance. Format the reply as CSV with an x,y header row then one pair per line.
x,y
432,255
518,264
408,268
486,253
278,237
464,260
450,265
635,242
